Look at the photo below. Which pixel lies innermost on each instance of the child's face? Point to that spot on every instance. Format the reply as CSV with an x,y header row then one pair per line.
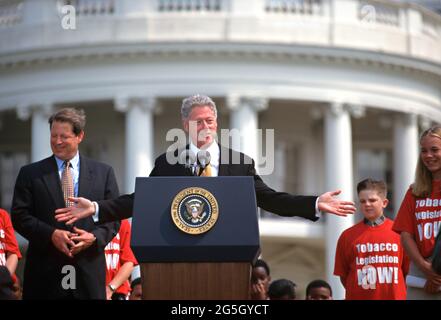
x,y
431,155
372,204
259,276
319,293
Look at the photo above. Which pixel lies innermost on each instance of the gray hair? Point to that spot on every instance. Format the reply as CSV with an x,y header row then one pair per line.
x,y
196,100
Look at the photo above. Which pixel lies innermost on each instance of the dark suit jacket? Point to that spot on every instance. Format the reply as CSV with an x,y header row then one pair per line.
x,y
280,203
37,195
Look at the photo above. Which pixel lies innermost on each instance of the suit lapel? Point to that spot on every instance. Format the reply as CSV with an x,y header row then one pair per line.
x,y
86,178
52,180
184,171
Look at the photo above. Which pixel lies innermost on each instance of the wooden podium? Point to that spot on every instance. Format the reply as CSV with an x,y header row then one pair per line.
x,y
215,265
196,281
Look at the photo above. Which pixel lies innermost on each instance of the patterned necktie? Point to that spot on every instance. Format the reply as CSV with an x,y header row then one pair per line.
x,y
207,171
67,184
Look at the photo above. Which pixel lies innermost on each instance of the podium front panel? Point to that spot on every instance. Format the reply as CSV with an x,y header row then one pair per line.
x,y
233,238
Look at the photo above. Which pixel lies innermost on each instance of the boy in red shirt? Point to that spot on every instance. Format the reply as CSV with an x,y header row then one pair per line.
x,y
370,260
9,250
120,261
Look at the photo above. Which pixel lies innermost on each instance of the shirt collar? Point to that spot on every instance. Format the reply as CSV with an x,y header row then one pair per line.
x,y
74,161
376,222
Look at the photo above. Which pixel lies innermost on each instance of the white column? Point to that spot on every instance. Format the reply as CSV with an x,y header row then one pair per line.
x,y
40,132
139,137
244,117
338,160
405,155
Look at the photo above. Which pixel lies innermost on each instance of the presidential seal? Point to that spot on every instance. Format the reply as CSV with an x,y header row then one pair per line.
x,y
194,210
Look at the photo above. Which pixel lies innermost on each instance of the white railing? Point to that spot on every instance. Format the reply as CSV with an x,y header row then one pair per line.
x,y
189,5
91,7
11,13
386,25
378,12
304,7
431,26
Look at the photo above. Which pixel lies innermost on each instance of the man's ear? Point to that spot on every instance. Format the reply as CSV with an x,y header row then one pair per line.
x,y
81,136
385,202
185,125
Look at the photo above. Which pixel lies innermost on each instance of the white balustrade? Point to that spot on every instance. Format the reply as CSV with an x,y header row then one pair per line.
x,y
189,5
379,12
11,13
302,7
91,7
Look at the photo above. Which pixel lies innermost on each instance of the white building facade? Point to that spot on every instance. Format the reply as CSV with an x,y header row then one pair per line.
x,y
346,85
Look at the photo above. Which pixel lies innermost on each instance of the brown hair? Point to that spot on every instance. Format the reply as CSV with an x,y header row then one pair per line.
x,y
423,177
77,118
370,184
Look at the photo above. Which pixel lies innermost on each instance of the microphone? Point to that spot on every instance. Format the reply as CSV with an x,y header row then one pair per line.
x,y
188,159
203,160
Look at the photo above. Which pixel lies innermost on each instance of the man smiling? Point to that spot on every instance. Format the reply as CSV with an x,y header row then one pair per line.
x,y
46,185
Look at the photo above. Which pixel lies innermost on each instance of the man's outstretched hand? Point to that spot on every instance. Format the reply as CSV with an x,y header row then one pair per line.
x,y
83,208
327,202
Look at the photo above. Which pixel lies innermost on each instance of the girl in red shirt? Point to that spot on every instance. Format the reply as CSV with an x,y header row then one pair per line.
x,y
419,218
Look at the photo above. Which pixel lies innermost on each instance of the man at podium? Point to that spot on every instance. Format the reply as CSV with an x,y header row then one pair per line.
x,y
199,118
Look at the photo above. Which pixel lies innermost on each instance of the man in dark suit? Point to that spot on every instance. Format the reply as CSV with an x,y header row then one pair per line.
x,y
199,118
63,262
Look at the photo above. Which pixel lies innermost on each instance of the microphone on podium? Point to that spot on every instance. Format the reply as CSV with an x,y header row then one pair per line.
x,y
196,163
188,159
203,160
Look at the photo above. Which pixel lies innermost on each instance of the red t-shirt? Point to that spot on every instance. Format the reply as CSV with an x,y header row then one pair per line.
x,y
8,242
421,217
373,262
117,253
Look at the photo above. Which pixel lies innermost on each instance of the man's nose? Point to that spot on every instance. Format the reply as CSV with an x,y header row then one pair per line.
x,y
57,140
